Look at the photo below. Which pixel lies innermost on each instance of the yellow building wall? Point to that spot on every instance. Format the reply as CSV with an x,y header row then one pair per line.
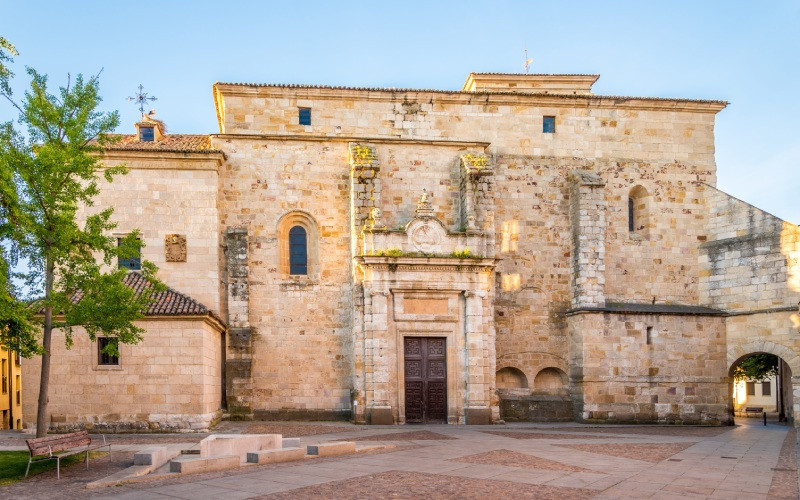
x,y
10,390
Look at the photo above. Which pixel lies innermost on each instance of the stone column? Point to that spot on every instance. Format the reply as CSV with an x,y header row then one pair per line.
x,y
239,358
376,360
477,409
588,220
365,192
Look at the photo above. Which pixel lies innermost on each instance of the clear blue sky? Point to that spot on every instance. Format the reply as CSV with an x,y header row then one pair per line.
x,y
740,51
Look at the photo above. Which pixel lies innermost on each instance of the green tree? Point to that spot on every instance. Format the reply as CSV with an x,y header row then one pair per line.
x,y
47,172
757,367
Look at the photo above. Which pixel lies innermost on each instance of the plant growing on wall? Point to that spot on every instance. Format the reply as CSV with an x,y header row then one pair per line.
x,y
47,171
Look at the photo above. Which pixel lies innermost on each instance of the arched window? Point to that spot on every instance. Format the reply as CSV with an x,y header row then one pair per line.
x,y
298,251
639,212
298,236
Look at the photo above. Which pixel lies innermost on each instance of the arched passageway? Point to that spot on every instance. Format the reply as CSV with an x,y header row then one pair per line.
x,y
761,382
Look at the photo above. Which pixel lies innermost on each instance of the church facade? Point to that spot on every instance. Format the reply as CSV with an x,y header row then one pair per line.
x,y
521,249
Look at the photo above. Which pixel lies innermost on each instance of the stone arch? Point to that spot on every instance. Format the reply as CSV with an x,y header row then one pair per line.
x,y
306,221
737,352
511,378
790,384
551,380
639,211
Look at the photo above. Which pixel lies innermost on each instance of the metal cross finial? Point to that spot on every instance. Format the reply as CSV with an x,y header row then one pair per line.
x,y
141,98
527,61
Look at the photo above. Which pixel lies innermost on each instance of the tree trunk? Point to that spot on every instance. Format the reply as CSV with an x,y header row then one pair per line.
x,y
42,420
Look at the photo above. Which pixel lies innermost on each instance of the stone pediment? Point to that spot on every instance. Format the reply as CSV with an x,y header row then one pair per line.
x,y
424,236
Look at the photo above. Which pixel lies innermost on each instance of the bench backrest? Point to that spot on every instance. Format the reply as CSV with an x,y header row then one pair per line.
x,y
59,442
753,409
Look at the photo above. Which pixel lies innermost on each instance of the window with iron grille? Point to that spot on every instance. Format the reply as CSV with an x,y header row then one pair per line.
x,y
549,125
133,263
103,358
751,388
304,116
298,251
766,389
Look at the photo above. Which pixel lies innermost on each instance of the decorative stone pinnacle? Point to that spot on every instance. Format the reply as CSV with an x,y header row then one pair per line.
x,y
476,164
362,156
375,220
424,205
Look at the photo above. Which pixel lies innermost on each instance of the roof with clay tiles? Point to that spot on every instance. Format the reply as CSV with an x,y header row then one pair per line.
x,y
174,143
167,303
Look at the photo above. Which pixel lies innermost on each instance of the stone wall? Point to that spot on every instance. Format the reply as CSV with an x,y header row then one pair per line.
x,y
586,126
171,380
679,375
170,193
300,325
751,260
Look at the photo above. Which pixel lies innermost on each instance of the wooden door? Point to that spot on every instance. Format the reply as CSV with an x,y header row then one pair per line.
x,y
425,379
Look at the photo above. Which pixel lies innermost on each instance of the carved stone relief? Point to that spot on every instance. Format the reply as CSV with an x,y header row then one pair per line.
x,y
175,248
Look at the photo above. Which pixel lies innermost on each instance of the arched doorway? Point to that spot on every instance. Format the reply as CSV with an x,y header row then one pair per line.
x,y
760,382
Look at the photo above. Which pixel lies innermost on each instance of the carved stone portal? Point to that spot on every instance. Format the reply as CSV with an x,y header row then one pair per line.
x,y
175,247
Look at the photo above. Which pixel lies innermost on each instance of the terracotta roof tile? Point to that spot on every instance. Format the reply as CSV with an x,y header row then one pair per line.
x,y
176,143
167,303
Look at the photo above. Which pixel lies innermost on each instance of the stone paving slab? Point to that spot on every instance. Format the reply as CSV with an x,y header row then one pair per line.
x,y
744,462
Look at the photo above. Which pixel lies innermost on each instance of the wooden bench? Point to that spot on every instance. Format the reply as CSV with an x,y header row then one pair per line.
x,y
62,445
753,409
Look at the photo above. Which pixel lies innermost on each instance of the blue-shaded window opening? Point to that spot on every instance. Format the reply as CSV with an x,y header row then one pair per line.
x,y
549,125
146,134
305,116
134,263
298,251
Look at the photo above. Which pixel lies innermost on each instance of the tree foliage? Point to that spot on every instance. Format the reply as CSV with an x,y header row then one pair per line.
x,y
757,367
49,174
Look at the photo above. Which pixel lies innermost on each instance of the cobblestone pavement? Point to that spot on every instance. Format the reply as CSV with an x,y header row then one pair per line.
x,y
747,461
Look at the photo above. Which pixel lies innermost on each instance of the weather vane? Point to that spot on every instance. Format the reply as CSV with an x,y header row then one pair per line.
x,y
527,61
141,98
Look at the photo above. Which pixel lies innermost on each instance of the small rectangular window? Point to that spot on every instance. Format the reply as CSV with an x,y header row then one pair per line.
x,y
103,358
133,263
146,134
305,116
751,388
549,125
766,389
649,335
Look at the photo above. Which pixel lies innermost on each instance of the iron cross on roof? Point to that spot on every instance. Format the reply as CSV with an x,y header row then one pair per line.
x,y
141,98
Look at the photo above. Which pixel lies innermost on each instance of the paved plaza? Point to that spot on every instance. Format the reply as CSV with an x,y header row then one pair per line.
x,y
513,461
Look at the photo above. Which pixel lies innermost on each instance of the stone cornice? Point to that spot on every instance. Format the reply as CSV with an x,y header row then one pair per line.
x,y
173,160
462,97
426,263
353,138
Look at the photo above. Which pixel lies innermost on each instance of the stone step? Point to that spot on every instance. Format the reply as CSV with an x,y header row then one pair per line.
x,y
276,456
155,455
191,465
330,449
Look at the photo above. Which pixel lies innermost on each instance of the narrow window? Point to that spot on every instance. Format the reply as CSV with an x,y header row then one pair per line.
x,y
751,388
305,116
146,134
298,251
133,263
103,358
631,221
649,335
5,377
766,389
549,125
